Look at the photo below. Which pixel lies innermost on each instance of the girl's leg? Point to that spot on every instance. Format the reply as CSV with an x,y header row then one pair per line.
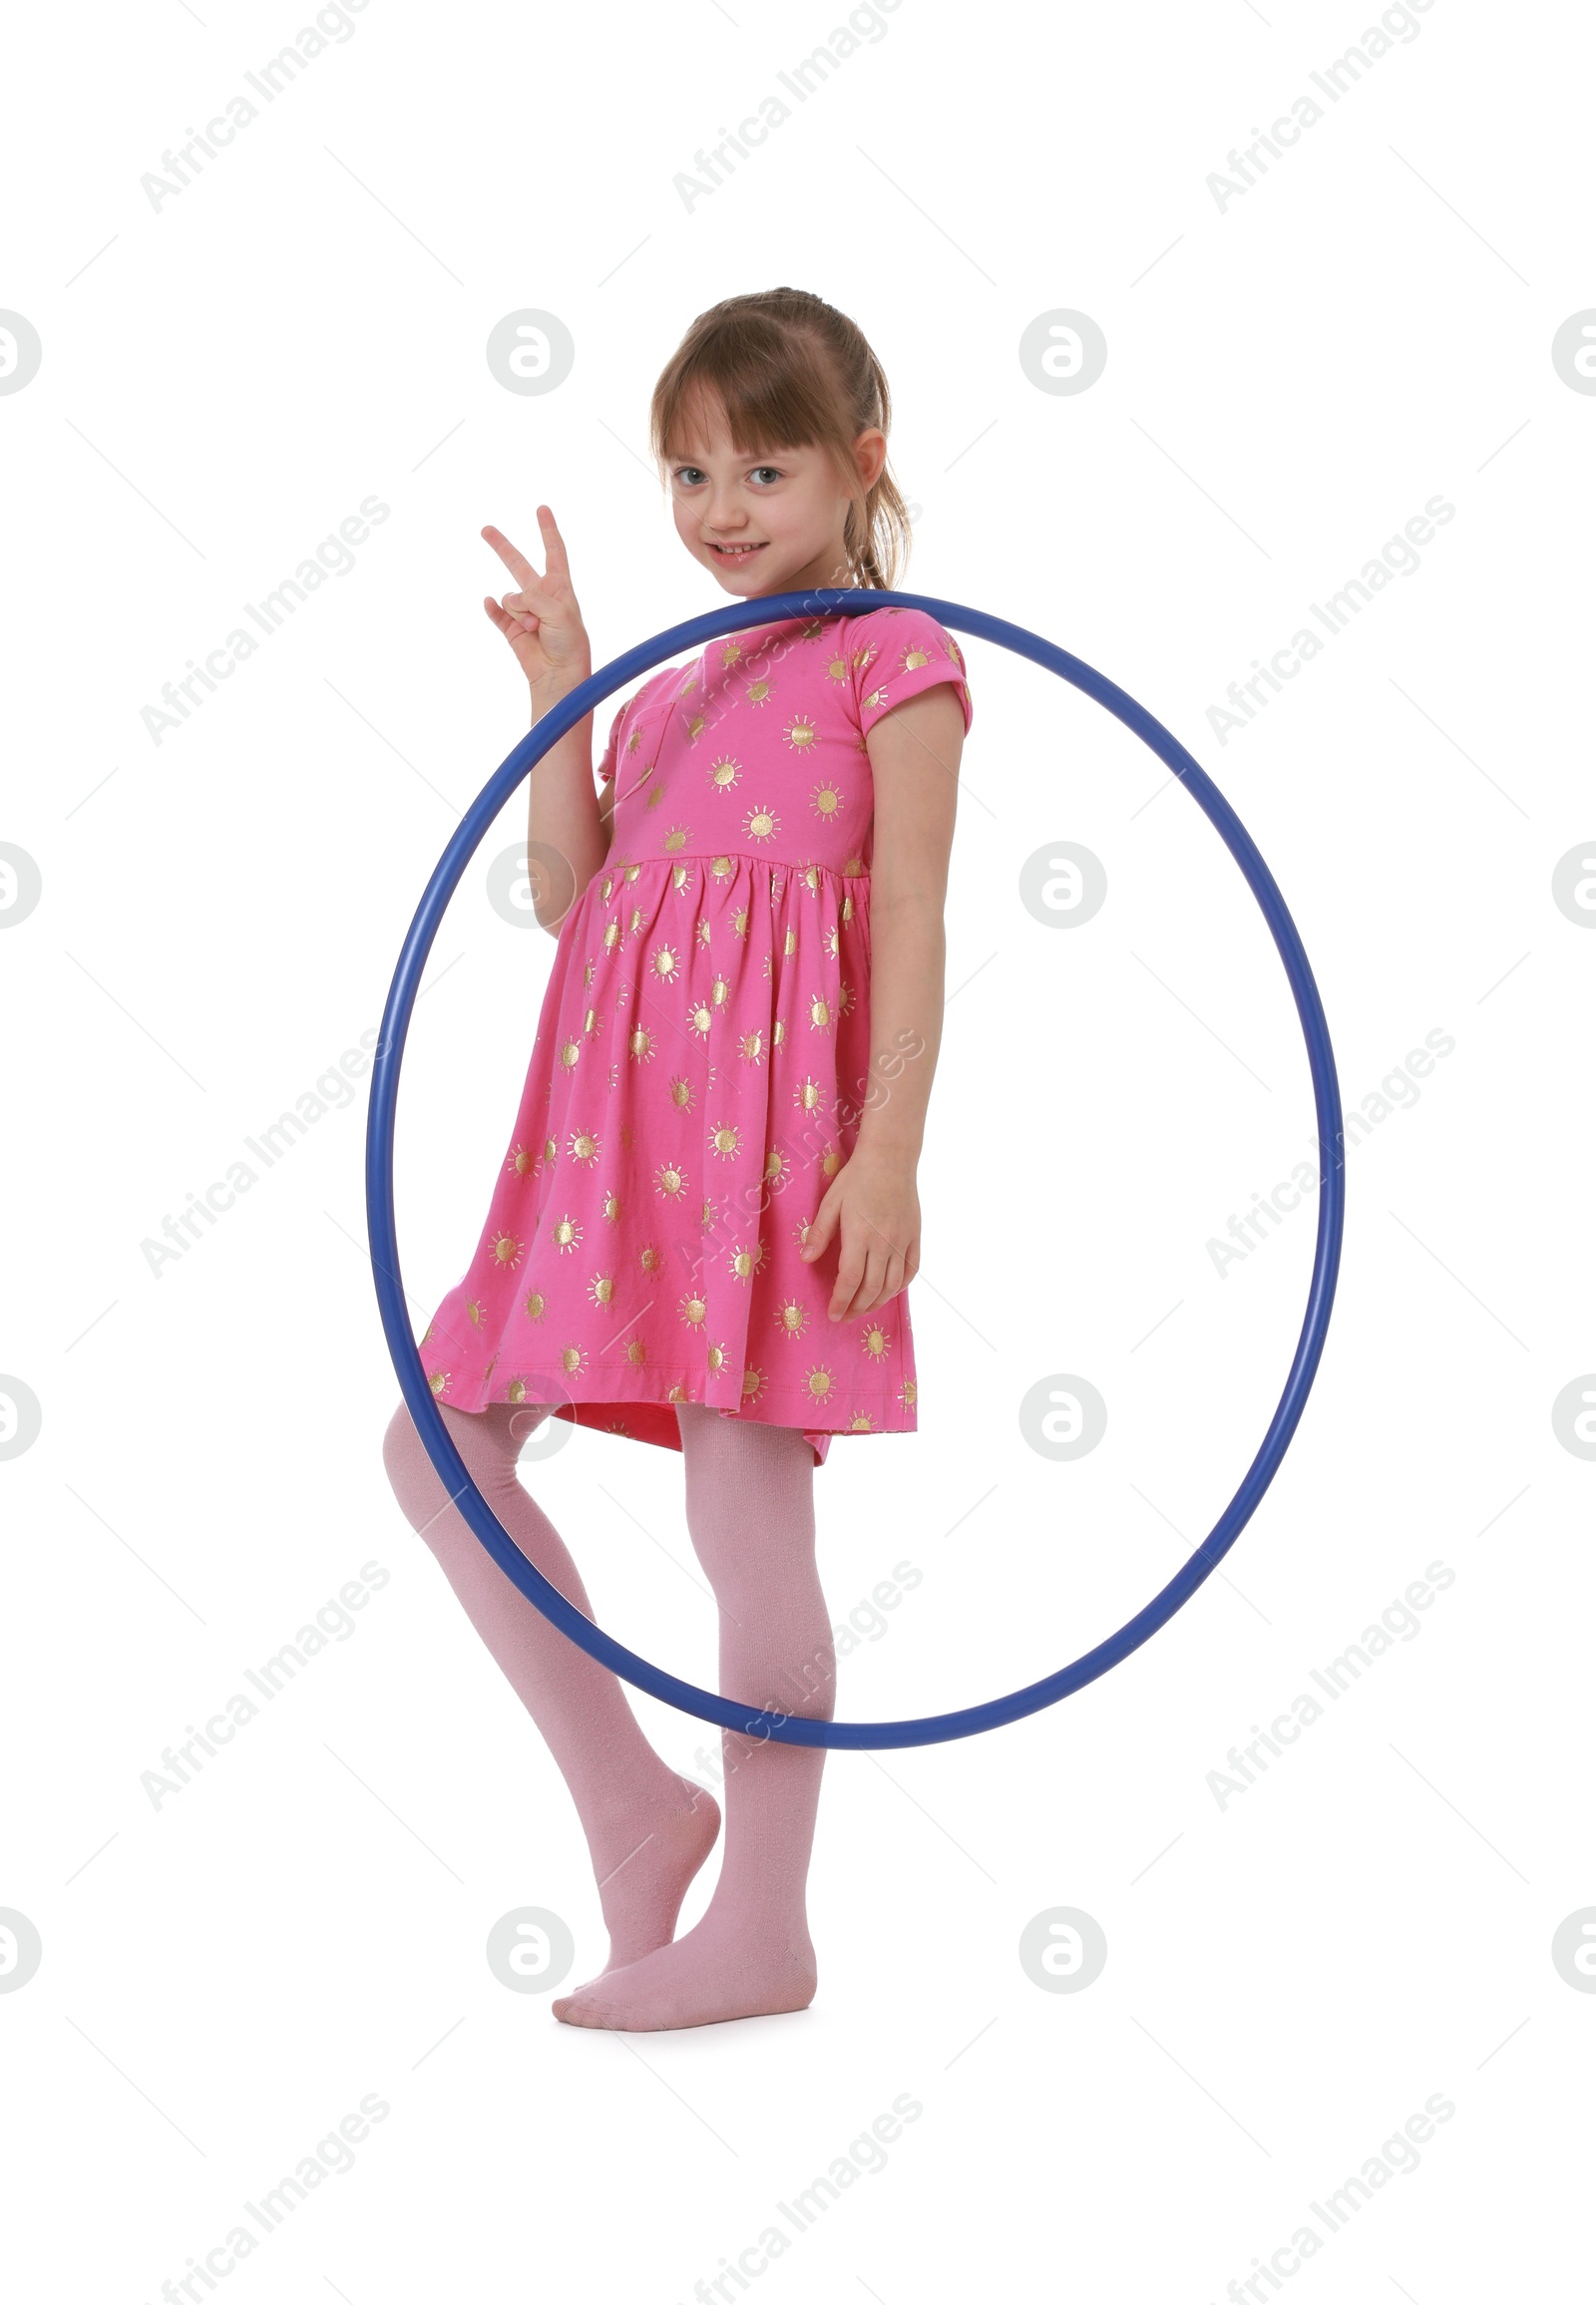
x,y
750,1511
649,1829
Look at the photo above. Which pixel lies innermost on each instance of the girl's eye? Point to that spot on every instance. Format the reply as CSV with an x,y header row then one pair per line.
x,y
762,470
688,475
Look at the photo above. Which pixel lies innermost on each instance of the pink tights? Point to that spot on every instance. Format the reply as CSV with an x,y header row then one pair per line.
x,y
750,1514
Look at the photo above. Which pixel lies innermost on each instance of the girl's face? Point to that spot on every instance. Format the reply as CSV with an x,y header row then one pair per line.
x,y
771,521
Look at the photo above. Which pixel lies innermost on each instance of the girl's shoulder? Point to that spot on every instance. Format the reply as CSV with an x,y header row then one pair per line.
x,y
898,652
624,728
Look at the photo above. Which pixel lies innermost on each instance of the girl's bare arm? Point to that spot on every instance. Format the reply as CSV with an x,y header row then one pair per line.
x,y
873,1205
568,827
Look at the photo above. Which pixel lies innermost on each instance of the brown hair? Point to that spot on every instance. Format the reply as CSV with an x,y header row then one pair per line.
x,y
791,371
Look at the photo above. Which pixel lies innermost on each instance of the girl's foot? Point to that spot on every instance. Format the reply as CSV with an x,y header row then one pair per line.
x,y
657,1856
709,1976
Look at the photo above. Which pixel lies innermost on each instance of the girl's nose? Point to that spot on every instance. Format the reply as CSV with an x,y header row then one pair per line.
x,y
724,511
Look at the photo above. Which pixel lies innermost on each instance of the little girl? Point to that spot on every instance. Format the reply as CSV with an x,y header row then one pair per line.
x,y
706,1217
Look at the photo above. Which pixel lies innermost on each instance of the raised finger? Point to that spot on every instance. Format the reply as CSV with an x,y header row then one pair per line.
x,y
554,545
512,555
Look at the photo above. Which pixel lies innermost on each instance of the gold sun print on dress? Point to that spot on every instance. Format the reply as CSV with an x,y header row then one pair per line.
x,y
761,824
567,1235
601,1290
692,1310
583,1145
753,1385
670,1181
725,1141
792,1318
724,772
875,1340
746,1263
799,732
506,1251
534,1305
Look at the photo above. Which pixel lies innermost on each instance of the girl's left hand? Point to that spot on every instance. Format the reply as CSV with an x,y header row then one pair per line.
x,y
872,1207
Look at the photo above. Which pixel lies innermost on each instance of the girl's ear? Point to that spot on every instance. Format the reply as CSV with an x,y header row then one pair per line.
x,y
869,455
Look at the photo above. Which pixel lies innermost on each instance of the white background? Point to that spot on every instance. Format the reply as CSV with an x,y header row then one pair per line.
x,y
1290,1976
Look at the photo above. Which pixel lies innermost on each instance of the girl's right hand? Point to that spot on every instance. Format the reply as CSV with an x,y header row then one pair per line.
x,y
542,621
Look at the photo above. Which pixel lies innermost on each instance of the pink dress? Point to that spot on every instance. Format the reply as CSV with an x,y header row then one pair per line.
x,y
702,1060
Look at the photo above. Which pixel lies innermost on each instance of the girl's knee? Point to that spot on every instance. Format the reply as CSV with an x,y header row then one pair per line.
x,y
409,1468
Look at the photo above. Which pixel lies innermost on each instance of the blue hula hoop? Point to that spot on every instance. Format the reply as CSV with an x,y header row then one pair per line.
x,y
791,1729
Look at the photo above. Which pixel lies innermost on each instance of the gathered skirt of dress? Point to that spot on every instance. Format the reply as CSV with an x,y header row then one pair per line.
x,y
701,1061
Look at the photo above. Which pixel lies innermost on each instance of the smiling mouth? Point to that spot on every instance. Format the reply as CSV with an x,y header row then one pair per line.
x,y
735,553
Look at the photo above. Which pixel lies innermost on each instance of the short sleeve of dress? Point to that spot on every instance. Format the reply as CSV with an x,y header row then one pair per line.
x,y
606,766
625,730
896,653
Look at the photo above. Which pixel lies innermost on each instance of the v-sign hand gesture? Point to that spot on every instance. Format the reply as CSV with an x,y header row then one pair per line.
x,y
541,621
